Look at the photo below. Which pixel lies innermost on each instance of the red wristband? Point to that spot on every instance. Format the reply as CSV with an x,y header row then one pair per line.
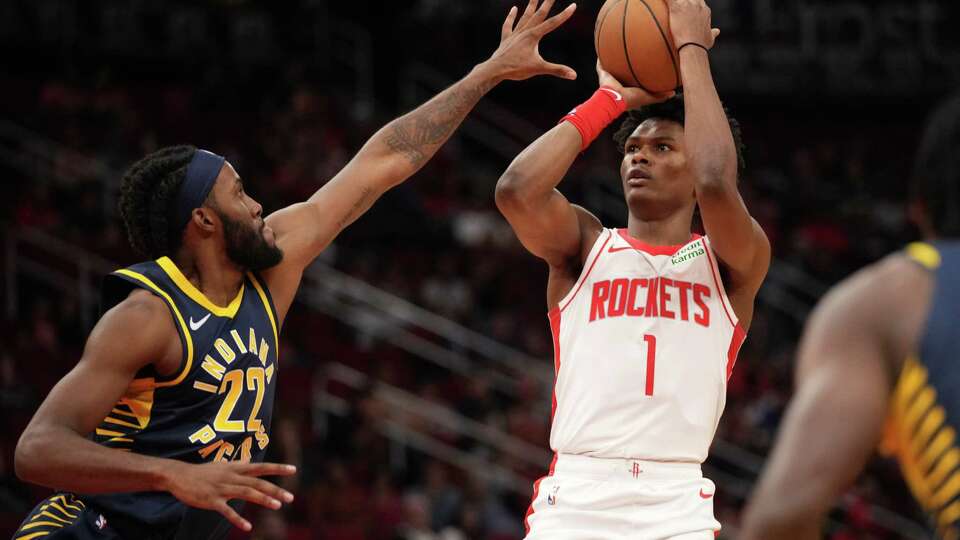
x,y
595,114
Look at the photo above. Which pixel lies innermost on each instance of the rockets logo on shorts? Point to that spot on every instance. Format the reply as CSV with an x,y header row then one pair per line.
x,y
644,344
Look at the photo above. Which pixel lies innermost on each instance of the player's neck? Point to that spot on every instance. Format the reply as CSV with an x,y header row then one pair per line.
x,y
670,230
213,274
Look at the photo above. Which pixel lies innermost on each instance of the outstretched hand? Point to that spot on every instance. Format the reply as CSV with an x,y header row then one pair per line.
x,y
690,22
635,97
518,56
212,485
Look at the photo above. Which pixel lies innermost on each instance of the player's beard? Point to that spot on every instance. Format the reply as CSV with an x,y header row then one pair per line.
x,y
247,247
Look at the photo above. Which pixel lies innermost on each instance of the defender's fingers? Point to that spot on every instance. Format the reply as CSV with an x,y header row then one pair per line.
x,y
252,495
233,517
542,11
554,22
508,23
269,488
558,70
266,469
527,15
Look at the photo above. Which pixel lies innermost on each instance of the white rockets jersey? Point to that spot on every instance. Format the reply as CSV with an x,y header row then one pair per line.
x,y
643,345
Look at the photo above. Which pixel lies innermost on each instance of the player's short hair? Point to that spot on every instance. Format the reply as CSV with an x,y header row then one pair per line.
x,y
148,193
672,109
936,171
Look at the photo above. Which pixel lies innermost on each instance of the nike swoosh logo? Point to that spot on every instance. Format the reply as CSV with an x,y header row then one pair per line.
x,y
196,325
616,95
615,249
705,495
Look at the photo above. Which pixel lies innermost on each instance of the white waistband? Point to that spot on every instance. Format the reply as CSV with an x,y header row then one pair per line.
x,y
594,467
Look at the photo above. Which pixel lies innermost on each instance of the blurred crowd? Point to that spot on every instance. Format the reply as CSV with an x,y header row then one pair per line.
x,y
826,183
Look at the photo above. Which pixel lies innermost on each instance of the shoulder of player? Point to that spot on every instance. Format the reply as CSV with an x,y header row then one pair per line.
x,y
139,304
752,278
886,300
563,276
139,330
890,282
590,229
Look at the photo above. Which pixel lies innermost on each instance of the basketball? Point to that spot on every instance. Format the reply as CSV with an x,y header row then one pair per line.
x,y
634,44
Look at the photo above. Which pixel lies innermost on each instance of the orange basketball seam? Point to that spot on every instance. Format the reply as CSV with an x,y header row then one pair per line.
x,y
666,42
598,28
626,52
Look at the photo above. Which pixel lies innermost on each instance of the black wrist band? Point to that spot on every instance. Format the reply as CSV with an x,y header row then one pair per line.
x,y
694,44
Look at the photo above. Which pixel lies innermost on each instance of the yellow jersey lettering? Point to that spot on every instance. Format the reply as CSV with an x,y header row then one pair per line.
x,y
256,380
233,385
207,450
225,451
205,387
214,368
269,373
225,351
203,435
264,349
238,341
262,438
245,446
253,342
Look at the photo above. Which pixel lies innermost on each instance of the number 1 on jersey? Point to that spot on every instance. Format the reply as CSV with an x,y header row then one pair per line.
x,y
651,342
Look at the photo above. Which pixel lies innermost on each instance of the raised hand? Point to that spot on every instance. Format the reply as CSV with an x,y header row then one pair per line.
x,y
635,97
211,485
518,56
690,23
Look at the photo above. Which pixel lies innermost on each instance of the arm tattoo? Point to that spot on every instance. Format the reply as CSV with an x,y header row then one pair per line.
x,y
420,133
355,209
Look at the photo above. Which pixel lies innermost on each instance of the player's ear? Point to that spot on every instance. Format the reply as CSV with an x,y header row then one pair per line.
x,y
205,219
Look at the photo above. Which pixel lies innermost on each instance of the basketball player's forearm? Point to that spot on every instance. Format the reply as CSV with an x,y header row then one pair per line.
x,y
411,140
61,459
392,155
706,128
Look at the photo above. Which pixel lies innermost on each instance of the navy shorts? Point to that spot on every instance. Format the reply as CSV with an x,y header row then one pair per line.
x,y
64,517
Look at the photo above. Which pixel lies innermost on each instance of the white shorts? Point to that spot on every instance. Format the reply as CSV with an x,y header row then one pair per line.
x,y
585,498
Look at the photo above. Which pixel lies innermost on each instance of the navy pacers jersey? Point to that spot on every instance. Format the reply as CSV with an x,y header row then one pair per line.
x,y
925,405
217,407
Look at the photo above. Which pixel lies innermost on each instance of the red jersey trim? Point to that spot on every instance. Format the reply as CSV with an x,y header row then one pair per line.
x,y
654,250
739,335
583,278
554,317
536,493
724,299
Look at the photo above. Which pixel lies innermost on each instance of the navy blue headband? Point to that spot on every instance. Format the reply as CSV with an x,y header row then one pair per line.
x,y
202,172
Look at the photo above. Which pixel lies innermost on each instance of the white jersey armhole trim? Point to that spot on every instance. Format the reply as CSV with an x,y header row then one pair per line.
x,y
718,281
591,261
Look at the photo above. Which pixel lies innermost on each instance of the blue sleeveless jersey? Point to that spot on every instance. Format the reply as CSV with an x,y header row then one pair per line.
x,y
217,407
925,404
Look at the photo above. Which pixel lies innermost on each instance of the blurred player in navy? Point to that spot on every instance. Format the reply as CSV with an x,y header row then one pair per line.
x,y
878,365
166,417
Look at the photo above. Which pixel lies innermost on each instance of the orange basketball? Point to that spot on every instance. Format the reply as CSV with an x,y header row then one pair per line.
x,y
634,44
